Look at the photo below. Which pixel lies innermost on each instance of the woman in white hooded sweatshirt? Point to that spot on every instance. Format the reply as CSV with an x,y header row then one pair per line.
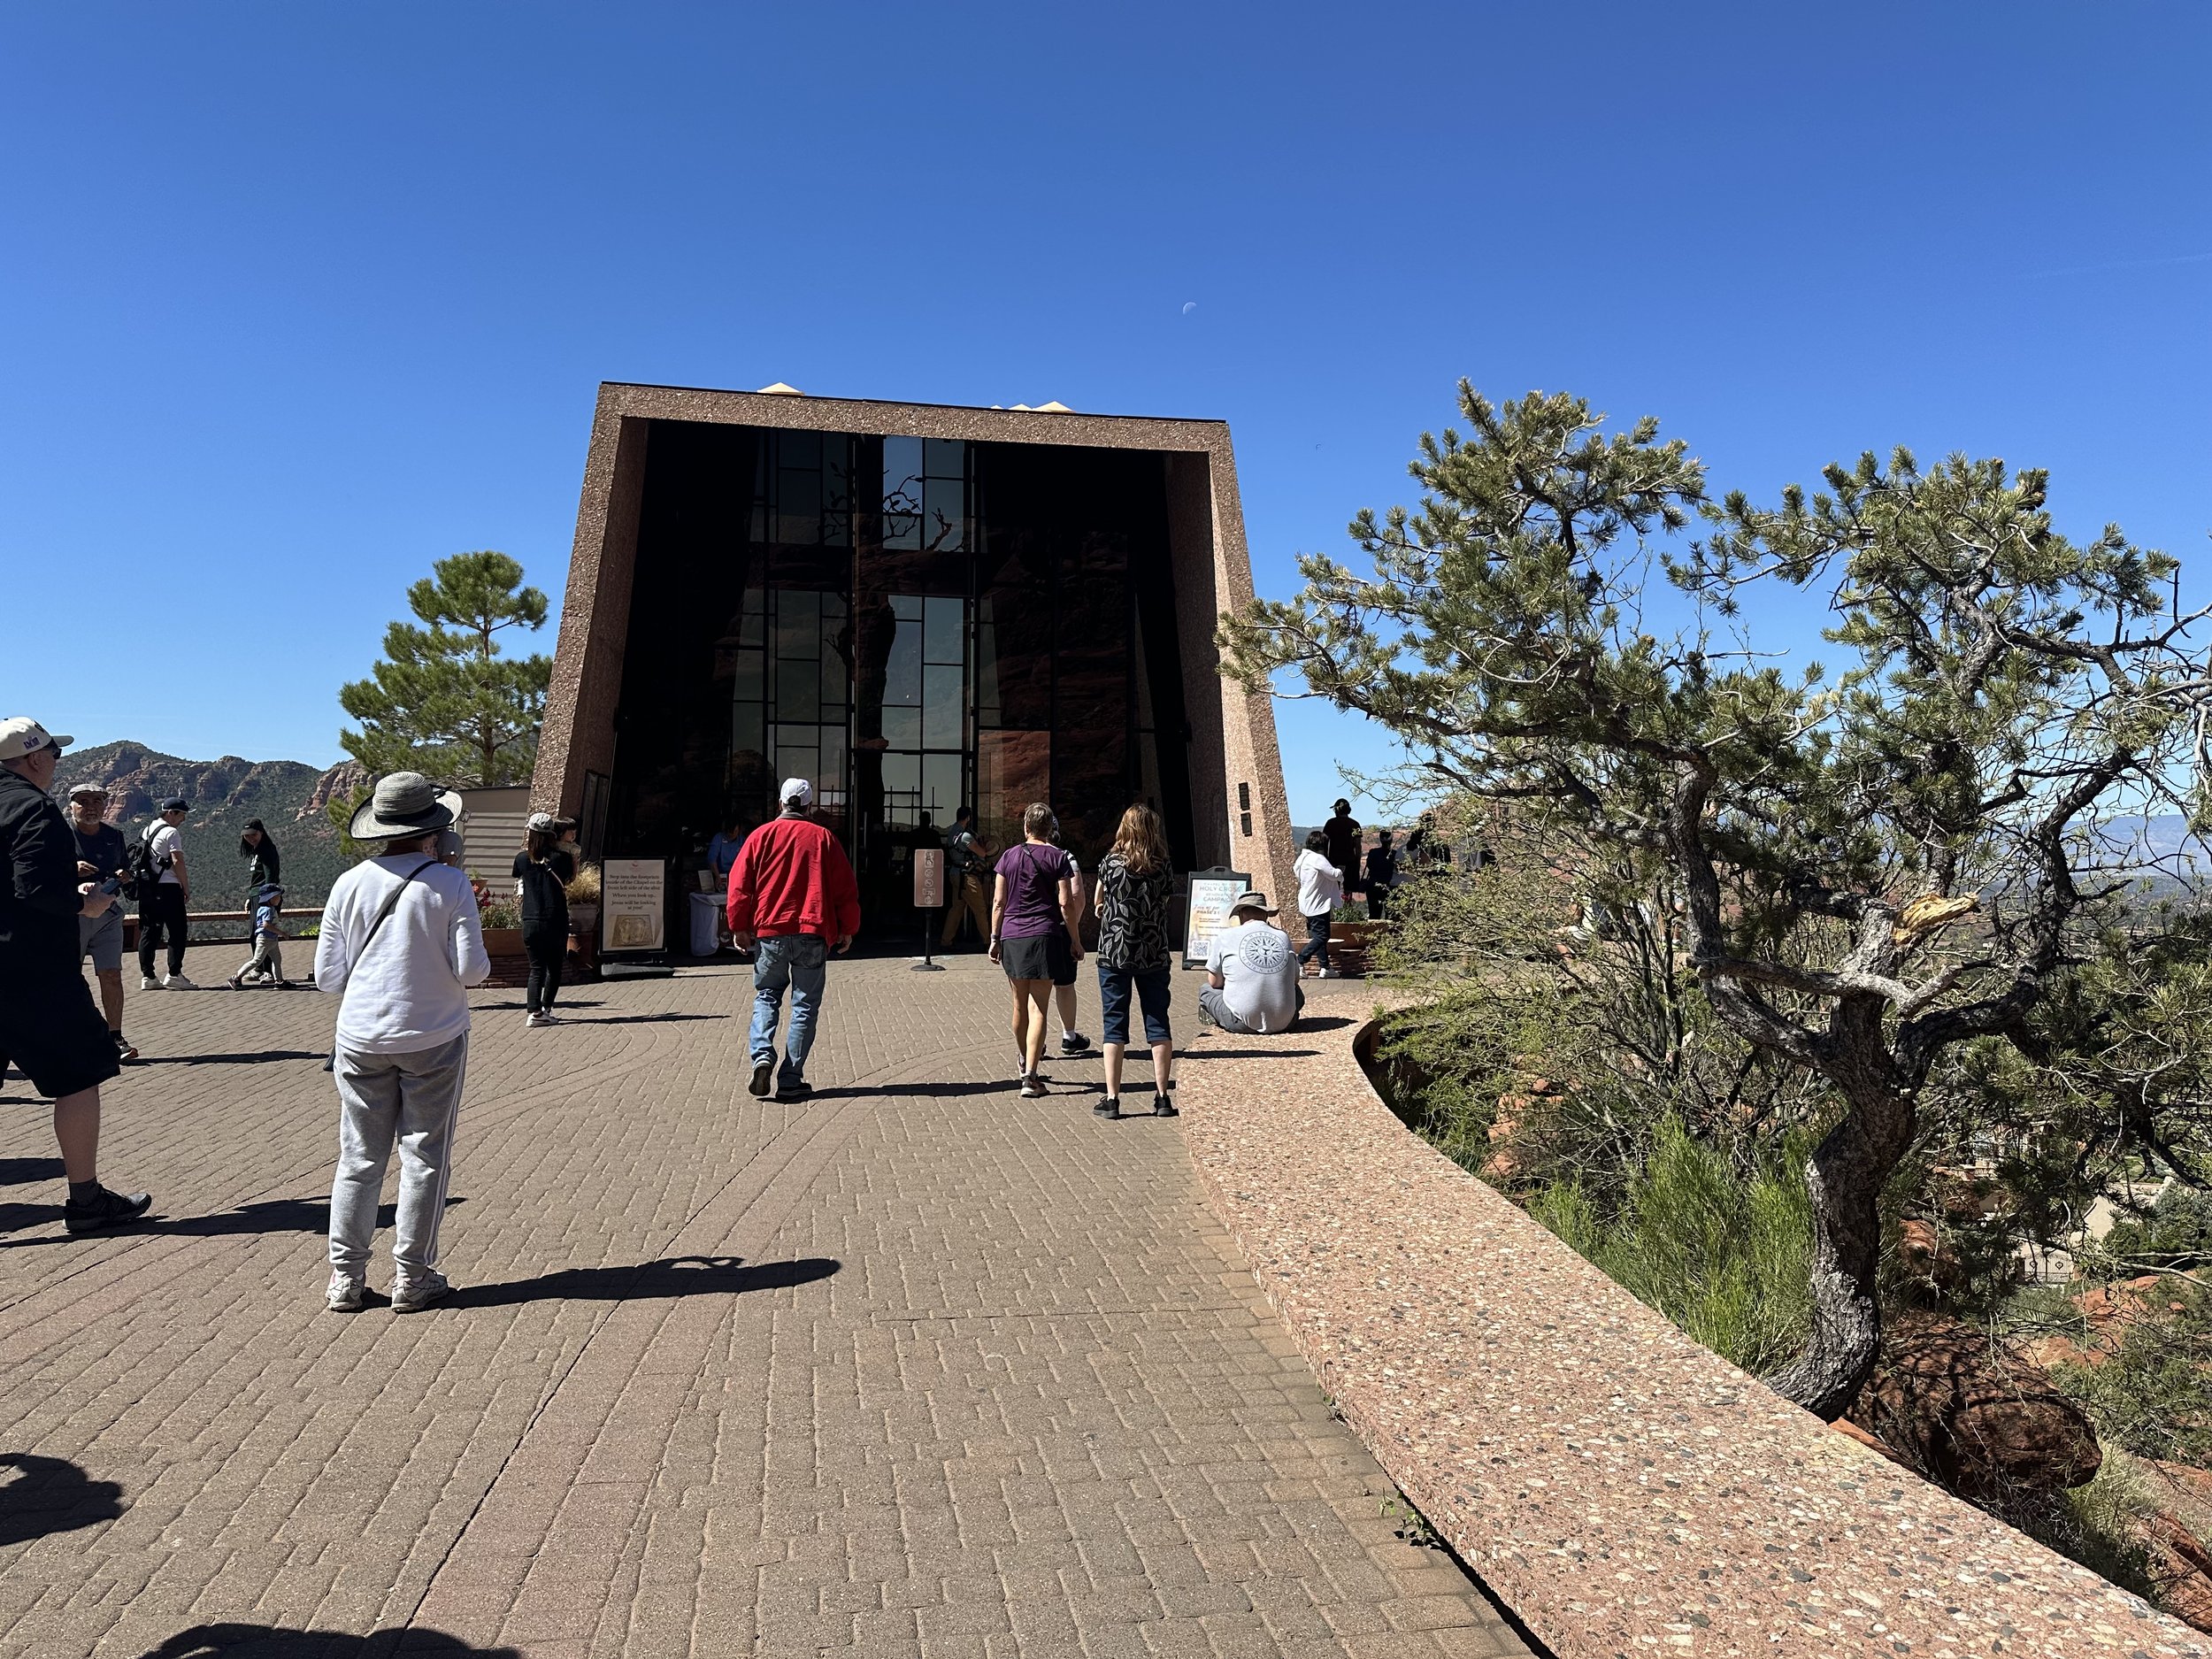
x,y
402,941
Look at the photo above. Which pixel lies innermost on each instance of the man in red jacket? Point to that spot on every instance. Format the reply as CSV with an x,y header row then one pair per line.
x,y
792,889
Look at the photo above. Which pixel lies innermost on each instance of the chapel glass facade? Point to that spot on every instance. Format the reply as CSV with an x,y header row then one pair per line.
x,y
911,623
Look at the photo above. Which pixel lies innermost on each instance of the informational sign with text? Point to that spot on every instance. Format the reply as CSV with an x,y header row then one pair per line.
x,y
632,904
1207,911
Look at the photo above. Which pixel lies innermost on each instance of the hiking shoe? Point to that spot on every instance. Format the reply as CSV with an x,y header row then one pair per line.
x,y
412,1295
104,1209
344,1295
178,982
793,1088
1110,1107
763,1076
1032,1084
1073,1042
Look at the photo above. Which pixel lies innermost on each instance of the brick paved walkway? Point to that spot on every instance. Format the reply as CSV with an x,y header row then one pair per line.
x,y
916,1368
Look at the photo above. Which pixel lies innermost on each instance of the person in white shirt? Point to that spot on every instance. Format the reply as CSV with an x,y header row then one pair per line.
x,y
162,911
1251,976
402,941
1320,890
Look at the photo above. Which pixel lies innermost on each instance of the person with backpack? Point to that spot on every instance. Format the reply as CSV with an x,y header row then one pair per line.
x,y
543,872
401,942
967,855
102,857
163,886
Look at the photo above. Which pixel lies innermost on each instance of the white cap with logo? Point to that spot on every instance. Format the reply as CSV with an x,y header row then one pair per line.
x,y
796,791
23,735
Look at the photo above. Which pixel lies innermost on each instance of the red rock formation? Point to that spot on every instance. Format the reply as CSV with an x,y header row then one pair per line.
x,y
1973,1415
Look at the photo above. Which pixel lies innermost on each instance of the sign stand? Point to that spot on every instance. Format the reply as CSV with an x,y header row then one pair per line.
x,y
929,899
1206,909
633,919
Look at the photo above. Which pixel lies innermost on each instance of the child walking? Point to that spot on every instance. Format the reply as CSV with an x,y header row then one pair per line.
x,y
265,966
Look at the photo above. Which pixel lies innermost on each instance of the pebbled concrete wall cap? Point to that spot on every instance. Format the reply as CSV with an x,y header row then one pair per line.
x,y
1622,1489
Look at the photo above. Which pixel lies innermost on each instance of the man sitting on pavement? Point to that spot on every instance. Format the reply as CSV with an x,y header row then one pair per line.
x,y
48,1023
792,889
101,856
1251,972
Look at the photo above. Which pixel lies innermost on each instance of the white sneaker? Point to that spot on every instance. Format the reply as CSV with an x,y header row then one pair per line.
x,y
178,982
1332,973
414,1294
345,1293
536,1020
150,985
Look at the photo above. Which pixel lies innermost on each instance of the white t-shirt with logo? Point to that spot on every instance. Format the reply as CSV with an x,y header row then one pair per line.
x,y
1259,974
168,843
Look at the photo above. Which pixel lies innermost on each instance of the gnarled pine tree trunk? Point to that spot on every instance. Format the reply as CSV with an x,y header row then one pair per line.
x,y
1845,1177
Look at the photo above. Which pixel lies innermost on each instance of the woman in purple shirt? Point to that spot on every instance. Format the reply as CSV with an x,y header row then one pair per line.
x,y
1033,932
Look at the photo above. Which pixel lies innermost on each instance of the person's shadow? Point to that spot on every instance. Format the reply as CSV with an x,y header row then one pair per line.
x,y
674,1276
268,1215
267,1641
51,1495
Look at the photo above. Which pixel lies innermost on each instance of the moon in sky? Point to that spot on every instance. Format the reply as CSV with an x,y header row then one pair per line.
x,y
1189,306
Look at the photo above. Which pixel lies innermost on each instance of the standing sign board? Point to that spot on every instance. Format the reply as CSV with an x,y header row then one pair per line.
x,y
632,906
1207,913
929,877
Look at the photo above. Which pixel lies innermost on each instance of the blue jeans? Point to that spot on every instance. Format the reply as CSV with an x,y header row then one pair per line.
x,y
1113,1001
796,960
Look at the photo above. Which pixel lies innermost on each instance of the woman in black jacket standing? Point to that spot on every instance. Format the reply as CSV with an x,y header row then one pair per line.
x,y
543,872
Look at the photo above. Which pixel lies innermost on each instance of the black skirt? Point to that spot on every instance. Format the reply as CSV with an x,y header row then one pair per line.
x,y
1038,957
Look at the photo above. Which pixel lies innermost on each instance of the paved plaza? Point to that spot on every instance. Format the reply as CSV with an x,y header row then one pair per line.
x,y
912,1367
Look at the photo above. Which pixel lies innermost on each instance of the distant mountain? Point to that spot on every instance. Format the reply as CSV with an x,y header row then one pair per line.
x,y
288,797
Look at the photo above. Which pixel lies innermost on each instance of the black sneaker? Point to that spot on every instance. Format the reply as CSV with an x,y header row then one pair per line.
x,y
104,1209
764,1071
793,1088
125,1049
1163,1107
1110,1107
1073,1042
1033,1085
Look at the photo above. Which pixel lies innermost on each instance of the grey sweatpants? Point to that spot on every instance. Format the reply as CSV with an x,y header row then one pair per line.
x,y
412,1098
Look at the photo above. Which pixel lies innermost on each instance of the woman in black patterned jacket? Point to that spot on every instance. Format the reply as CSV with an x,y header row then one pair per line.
x,y
1135,891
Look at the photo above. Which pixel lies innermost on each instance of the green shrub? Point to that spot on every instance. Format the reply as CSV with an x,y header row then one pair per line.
x,y
1725,1254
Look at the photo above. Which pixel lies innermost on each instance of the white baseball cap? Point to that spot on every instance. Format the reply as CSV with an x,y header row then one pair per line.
x,y
796,789
23,735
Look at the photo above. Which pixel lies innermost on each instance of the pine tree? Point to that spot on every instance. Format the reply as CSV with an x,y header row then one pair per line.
x,y
444,701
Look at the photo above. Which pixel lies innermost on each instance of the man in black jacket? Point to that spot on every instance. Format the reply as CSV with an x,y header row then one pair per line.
x,y
48,1024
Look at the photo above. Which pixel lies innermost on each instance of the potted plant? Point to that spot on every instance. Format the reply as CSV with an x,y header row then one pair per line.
x,y
583,918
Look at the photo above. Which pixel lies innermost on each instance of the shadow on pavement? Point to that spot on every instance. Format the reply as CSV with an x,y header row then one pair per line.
x,y
667,1018
1249,1053
263,1058
266,1642
675,1275
19,1217
51,1495
22,1171
274,1215
1323,1022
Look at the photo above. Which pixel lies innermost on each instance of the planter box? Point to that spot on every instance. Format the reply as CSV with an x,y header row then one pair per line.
x,y
510,966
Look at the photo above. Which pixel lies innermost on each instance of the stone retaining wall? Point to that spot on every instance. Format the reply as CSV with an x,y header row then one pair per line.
x,y
1622,1489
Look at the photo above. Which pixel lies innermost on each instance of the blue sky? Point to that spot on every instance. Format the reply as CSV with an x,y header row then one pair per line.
x,y
297,299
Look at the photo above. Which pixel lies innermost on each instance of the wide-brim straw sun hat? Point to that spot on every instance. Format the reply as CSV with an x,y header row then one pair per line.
x,y
406,803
